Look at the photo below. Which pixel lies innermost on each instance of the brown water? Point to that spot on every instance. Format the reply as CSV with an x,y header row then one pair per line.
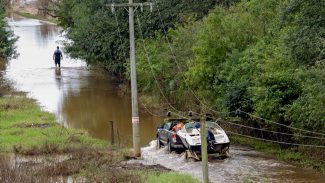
x,y
78,97
244,165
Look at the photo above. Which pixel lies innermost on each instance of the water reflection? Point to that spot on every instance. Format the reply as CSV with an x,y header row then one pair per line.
x,y
46,32
96,105
58,78
74,94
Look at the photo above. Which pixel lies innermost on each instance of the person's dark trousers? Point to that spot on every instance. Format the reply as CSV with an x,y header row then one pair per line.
x,y
57,62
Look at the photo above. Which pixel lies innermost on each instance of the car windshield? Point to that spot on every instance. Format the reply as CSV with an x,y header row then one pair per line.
x,y
213,125
190,126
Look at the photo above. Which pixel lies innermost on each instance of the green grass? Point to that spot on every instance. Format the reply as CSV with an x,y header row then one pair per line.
x,y
247,180
291,155
167,177
24,128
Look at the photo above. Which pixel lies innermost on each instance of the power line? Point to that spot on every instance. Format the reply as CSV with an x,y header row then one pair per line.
x,y
171,50
278,142
151,69
120,37
322,134
282,133
148,59
204,102
178,66
150,112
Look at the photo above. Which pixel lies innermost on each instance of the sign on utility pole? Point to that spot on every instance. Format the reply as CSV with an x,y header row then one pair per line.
x,y
134,91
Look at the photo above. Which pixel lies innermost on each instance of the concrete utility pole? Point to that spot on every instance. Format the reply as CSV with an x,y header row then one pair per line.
x,y
134,90
204,150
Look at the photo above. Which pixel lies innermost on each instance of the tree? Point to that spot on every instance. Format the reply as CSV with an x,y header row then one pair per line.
x,y
306,23
96,36
7,39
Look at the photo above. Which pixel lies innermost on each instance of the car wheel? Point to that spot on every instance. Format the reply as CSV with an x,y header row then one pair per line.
x,y
158,143
170,148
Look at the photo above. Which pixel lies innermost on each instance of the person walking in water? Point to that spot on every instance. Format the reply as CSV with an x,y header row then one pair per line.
x,y
57,57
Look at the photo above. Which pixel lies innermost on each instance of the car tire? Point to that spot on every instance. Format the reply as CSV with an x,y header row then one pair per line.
x,y
170,148
158,143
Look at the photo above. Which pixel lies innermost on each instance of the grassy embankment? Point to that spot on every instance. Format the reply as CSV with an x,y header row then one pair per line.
x,y
27,130
292,155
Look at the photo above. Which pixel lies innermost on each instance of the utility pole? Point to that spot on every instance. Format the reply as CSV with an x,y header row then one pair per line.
x,y
134,91
204,150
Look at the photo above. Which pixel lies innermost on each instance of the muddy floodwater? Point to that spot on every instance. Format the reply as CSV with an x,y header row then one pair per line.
x,y
244,165
81,99
77,96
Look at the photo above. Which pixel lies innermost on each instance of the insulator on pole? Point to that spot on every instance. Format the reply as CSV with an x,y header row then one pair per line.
x,y
151,7
113,8
141,7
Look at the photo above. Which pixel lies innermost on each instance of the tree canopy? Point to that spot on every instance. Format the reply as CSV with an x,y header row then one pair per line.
x,y
7,39
100,36
262,57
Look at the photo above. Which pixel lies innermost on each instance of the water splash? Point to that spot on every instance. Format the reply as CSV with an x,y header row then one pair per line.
x,y
244,164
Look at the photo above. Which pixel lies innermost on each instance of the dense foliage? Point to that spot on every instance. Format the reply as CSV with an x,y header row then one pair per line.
x,y
306,40
7,39
100,36
262,57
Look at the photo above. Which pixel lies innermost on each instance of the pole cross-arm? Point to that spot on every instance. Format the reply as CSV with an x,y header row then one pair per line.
x,y
136,5
134,91
133,4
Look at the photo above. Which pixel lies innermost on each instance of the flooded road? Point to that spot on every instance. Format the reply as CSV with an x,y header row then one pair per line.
x,y
244,165
78,97
83,100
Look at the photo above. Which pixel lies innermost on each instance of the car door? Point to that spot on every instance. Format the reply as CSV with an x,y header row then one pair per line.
x,y
165,132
